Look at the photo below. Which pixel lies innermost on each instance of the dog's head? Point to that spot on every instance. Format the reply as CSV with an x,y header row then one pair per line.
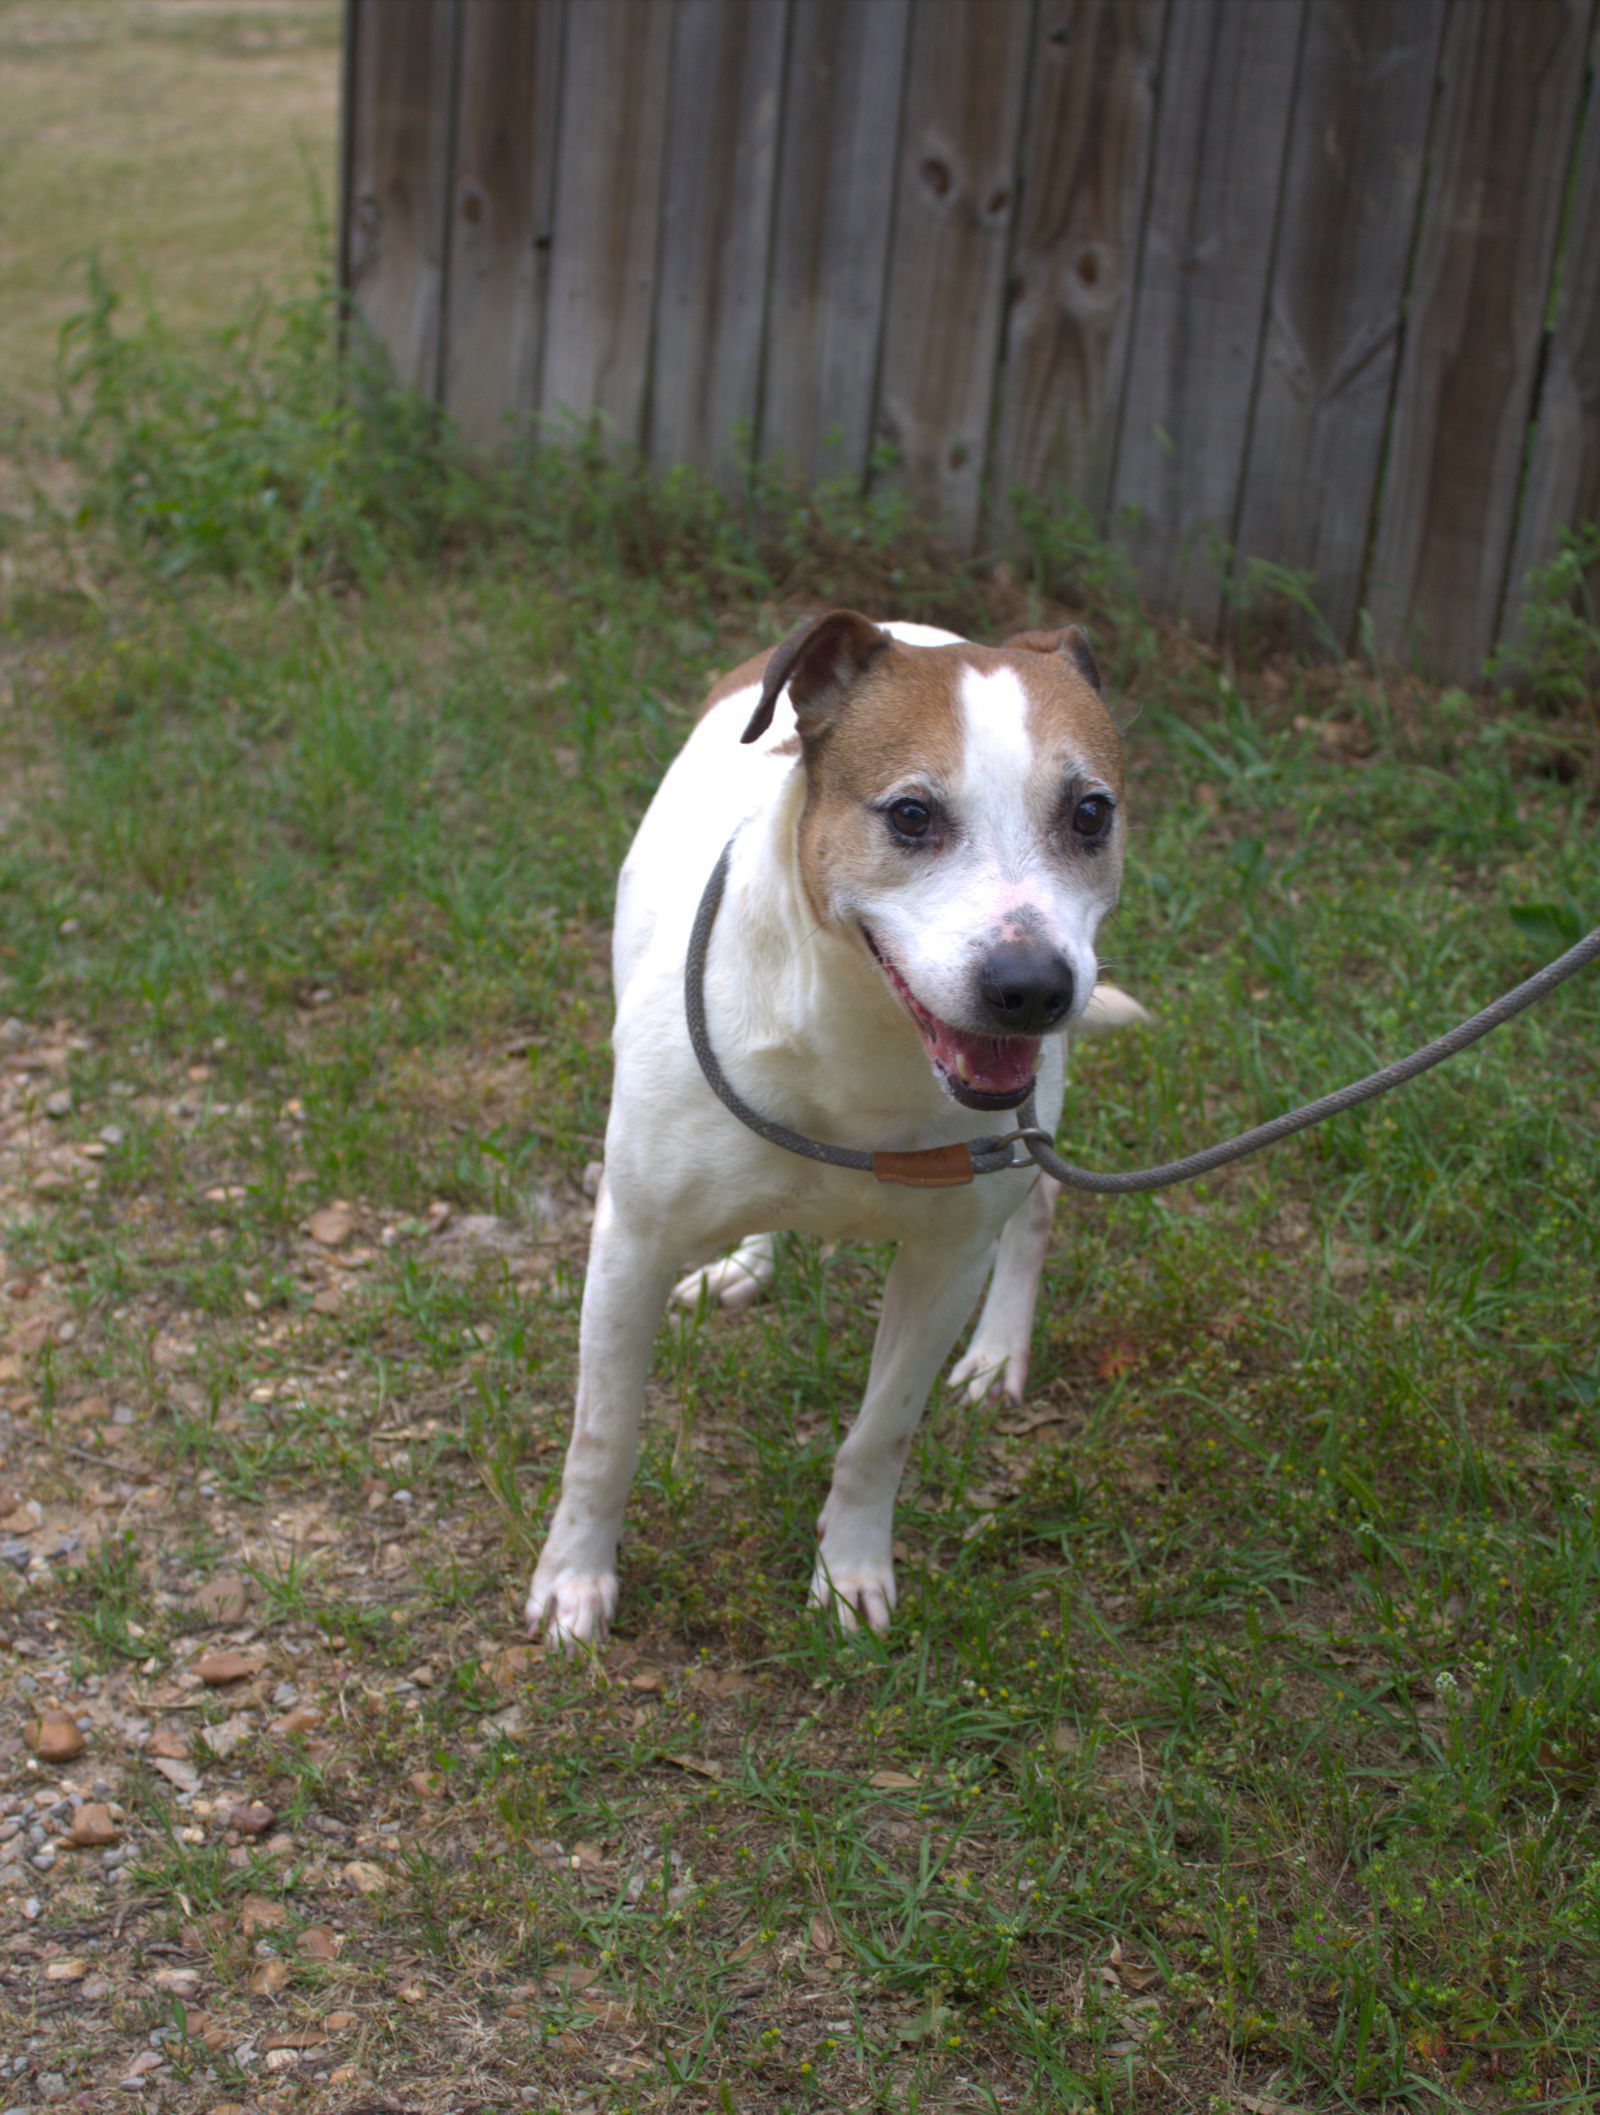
x,y
963,816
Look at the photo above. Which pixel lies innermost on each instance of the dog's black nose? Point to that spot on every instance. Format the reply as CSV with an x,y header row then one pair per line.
x,y
1027,990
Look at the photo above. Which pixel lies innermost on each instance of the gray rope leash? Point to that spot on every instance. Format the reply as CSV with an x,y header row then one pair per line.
x,y
941,1167
1526,994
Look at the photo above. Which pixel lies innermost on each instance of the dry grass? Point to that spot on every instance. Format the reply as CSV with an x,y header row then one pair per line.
x,y
186,135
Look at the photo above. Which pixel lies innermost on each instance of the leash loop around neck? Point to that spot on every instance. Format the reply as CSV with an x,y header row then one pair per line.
x,y
931,1168
943,1167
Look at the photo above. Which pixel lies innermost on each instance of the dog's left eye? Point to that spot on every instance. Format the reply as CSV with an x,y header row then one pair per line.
x,y
1091,818
910,818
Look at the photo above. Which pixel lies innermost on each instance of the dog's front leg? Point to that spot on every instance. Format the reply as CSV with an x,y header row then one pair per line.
x,y
574,1593
930,1292
996,1361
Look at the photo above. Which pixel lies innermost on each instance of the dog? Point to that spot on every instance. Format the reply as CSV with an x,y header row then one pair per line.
x,y
926,835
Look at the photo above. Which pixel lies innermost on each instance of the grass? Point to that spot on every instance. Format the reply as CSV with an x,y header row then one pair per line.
x,y
1237,1741
183,136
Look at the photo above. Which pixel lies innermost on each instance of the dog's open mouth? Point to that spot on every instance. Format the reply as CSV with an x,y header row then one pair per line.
x,y
980,1071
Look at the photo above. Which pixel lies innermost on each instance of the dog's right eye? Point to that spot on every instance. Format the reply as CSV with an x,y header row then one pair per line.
x,y
910,819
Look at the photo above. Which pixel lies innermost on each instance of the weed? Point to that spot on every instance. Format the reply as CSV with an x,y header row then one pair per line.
x,y
1555,656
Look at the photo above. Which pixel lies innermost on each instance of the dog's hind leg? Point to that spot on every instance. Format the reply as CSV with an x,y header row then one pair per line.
x,y
929,1294
574,1593
735,1282
997,1358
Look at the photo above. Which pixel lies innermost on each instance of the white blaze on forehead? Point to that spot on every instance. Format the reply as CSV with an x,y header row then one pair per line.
x,y
997,762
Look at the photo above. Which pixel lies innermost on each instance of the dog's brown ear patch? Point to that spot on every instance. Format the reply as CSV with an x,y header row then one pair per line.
x,y
820,663
1072,641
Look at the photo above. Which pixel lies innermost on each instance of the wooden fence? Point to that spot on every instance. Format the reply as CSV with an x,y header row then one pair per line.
x,y
1311,281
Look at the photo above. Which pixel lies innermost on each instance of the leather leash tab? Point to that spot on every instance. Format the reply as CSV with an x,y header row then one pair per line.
x,y
933,1168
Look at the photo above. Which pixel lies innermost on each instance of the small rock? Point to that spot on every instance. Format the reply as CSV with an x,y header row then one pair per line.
x,y
176,1982
365,1877
339,2022
251,1820
51,2086
182,1774
267,1978
334,1224
300,1720
218,1669
92,1825
72,1969
43,1859
55,1737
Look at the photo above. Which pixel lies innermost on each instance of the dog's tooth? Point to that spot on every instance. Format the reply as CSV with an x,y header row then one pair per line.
x,y
963,1069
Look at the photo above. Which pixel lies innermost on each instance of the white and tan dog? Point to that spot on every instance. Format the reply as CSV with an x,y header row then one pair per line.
x,y
927,835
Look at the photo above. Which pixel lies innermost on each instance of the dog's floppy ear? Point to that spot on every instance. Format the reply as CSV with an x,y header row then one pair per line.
x,y
1072,641
819,663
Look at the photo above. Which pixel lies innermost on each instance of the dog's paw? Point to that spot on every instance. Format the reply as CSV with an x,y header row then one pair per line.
x,y
986,1370
855,1594
734,1283
572,1609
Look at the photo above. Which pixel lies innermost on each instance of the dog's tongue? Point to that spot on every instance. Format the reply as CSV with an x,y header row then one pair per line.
x,y
988,1064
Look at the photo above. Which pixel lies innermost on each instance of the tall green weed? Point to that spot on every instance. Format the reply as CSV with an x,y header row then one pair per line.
x,y
1554,656
258,454
281,450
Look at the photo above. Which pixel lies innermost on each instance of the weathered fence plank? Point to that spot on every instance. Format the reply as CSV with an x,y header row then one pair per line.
x,y
1227,80
607,212
397,177
1513,77
1274,274
507,124
831,222
1336,306
1563,483
947,265
1085,165
722,140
